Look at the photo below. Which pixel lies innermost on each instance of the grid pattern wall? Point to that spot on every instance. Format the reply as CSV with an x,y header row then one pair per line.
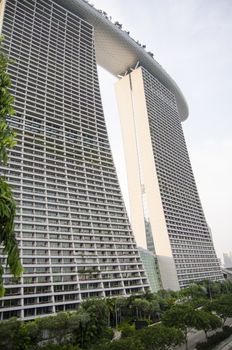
x,y
190,239
72,227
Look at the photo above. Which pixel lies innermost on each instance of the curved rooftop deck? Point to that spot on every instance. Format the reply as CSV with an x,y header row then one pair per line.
x,y
117,52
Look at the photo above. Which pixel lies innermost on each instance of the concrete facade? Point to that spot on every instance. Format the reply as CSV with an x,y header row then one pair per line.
x,y
162,188
74,235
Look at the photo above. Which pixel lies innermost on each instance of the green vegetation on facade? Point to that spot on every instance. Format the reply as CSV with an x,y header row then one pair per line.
x,y
7,203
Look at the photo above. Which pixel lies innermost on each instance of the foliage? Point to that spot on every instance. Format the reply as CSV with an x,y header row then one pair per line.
x,y
183,317
213,288
222,306
51,346
9,333
141,306
56,326
206,321
29,336
215,339
160,337
97,310
127,330
193,291
6,108
125,344
197,302
226,286
83,334
166,299
120,305
130,343
88,327
107,333
93,317
7,203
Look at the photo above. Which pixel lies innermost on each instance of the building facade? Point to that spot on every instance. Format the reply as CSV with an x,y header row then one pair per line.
x,y
151,267
227,258
74,236
166,213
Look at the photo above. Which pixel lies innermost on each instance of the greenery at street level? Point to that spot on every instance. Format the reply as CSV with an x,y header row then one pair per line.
x,y
169,315
7,203
185,318
215,339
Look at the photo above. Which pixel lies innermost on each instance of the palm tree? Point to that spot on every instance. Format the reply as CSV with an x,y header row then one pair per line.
x,y
83,318
120,303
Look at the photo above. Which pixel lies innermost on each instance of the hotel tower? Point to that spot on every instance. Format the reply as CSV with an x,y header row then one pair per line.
x,y
166,212
74,236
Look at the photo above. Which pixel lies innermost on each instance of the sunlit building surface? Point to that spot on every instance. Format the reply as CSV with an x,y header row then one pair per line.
x,y
166,212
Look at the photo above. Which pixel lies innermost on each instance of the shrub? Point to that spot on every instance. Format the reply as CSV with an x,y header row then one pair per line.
x,y
127,330
215,339
108,333
50,346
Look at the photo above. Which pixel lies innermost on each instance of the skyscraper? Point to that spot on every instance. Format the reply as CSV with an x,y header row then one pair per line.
x,y
166,213
74,236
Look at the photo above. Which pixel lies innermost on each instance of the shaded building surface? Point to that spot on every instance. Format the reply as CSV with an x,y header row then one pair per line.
x,y
227,272
227,257
74,235
151,267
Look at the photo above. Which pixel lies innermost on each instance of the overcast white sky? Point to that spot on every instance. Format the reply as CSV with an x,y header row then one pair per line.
x,y
192,40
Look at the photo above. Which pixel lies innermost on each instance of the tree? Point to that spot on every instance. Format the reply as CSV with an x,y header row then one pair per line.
x,y
97,310
213,288
154,309
51,346
58,326
206,321
110,304
222,306
9,334
160,337
166,298
193,291
182,317
226,286
141,306
127,330
126,343
29,336
84,320
7,203
120,303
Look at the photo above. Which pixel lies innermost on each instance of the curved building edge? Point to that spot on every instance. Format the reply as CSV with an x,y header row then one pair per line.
x,y
118,53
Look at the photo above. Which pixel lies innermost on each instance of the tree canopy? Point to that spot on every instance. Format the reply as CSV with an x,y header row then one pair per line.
x,y
222,306
160,337
183,317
